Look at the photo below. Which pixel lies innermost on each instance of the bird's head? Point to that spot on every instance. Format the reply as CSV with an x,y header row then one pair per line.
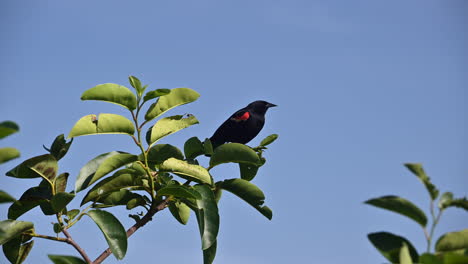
x,y
260,106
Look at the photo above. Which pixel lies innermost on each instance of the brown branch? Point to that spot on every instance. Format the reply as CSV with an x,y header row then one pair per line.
x,y
76,246
155,207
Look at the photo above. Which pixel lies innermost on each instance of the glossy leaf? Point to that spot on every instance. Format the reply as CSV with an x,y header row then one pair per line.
x,y
161,152
31,198
248,171
136,83
445,200
187,171
60,182
155,93
179,191
114,162
177,96
61,259
72,213
234,152
452,241
15,251
400,205
7,154
170,125
120,197
193,148
112,93
112,230
389,246
104,124
180,211
451,258
6,198
10,229
268,140
86,177
248,192
210,253
405,257
207,216
60,200
7,128
417,169
458,202
208,147
59,147
125,178
427,258
44,166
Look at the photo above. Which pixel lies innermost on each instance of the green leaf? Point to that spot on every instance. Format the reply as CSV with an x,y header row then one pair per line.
x,y
86,177
187,171
135,83
193,148
452,241
120,197
112,230
268,140
417,169
7,154
10,229
177,96
125,178
135,202
44,166
248,171
7,128
209,254
15,251
161,152
451,258
170,125
208,147
61,259
6,198
59,147
445,200
207,216
179,191
155,93
459,202
234,152
405,257
31,198
400,205
72,213
248,192
112,93
427,258
389,246
60,200
114,162
60,182
180,211
57,228
104,124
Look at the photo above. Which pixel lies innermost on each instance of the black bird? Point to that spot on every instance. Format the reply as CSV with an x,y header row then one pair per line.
x,y
243,125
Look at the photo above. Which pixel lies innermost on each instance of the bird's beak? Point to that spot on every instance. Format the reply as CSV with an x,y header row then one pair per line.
x,y
271,105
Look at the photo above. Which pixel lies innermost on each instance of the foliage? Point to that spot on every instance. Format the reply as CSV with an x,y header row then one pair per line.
x,y
159,176
450,248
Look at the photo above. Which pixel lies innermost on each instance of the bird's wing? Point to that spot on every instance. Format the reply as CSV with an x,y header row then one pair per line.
x,y
240,115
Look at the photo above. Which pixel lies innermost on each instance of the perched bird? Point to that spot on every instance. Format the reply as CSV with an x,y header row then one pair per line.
x,y
243,125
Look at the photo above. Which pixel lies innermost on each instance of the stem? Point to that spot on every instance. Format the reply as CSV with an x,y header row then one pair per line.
x,y
76,246
434,223
155,207
69,240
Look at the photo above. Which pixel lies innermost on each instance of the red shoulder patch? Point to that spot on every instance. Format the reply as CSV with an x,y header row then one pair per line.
x,y
245,116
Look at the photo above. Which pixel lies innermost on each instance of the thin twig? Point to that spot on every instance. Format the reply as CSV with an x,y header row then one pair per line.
x,y
76,246
143,221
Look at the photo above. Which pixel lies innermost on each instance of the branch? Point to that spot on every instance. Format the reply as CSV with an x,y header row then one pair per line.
x,y
155,207
76,246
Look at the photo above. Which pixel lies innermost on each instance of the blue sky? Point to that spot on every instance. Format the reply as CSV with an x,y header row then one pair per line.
x,y
362,87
